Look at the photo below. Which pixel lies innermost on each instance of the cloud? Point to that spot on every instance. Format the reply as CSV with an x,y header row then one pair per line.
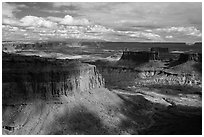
x,y
112,21
54,19
51,11
9,28
99,29
37,22
69,20
169,37
8,13
192,31
138,13
141,34
9,9
14,29
151,36
10,21
12,33
60,4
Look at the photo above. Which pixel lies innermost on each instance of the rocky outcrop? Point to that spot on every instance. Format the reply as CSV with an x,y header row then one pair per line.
x,y
166,78
123,77
18,46
139,57
32,77
160,50
184,57
146,56
159,53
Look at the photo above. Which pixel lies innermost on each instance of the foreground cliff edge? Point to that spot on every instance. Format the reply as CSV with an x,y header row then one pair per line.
x,y
50,96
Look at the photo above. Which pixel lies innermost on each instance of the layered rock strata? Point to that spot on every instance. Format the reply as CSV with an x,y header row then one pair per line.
x,y
115,75
166,78
140,57
29,77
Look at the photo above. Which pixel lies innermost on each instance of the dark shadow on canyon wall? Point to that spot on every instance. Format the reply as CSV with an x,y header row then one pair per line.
x,y
198,67
81,121
174,122
177,120
133,109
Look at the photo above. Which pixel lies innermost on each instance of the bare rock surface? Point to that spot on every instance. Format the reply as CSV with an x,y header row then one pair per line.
x,y
51,96
35,77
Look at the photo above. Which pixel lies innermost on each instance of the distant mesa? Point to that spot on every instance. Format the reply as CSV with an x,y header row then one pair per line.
x,y
160,50
159,53
185,57
190,56
141,56
156,53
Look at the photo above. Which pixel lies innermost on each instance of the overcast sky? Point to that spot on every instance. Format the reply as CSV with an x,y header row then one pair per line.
x,y
176,22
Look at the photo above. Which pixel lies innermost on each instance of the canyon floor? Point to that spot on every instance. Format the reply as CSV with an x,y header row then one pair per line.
x,y
101,111
144,101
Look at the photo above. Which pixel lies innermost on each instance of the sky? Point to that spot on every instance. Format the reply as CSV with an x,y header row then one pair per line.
x,y
110,21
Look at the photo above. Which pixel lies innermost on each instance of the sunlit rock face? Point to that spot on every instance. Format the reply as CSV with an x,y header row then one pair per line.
x,y
148,77
34,77
166,78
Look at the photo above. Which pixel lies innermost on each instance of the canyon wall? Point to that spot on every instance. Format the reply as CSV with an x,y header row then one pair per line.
x,y
30,77
190,56
158,53
146,56
123,77
166,78
139,57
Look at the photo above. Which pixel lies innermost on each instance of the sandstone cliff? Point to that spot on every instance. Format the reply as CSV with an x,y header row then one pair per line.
x,y
122,77
30,77
139,57
167,78
38,83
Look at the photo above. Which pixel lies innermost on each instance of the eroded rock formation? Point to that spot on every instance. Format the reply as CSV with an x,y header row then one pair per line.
x,y
166,78
34,77
160,50
119,76
139,57
184,57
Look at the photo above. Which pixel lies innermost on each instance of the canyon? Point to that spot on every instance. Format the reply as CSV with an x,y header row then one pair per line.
x,y
30,82
138,94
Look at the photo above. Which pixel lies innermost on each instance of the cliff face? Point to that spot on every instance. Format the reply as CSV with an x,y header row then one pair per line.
x,y
139,57
187,57
97,111
146,56
160,50
123,77
26,78
166,78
